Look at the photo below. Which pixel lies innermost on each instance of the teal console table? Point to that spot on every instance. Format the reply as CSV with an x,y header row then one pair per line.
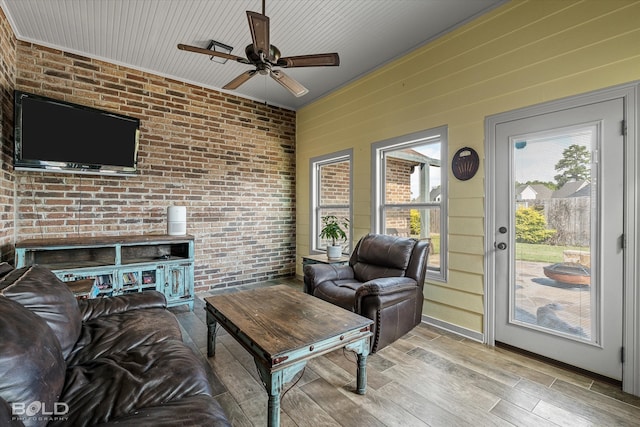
x,y
118,264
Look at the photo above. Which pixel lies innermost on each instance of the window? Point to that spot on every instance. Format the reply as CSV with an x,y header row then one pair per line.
x,y
330,194
410,191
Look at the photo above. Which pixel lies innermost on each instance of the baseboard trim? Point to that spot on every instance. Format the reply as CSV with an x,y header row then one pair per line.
x,y
455,329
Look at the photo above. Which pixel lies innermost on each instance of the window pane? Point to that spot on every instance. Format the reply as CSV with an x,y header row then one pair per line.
x,y
334,184
331,195
341,213
413,174
419,223
397,174
411,189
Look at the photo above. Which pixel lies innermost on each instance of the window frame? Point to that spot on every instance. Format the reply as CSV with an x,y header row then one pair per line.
x,y
378,176
315,164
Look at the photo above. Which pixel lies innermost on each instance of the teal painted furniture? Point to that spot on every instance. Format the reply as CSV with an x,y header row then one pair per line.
x,y
118,264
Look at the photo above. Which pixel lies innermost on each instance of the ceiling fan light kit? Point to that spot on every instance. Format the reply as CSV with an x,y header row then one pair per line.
x,y
264,56
219,47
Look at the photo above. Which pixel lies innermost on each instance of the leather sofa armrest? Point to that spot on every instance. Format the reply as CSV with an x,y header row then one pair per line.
x,y
315,274
92,308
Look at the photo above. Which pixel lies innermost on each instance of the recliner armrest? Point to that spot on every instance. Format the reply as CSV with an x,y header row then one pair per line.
x,y
388,290
386,286
92,308
315,274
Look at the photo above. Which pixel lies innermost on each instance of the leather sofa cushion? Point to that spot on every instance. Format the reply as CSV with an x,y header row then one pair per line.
x,y
130,359
122,332
32,368
119,384
39,290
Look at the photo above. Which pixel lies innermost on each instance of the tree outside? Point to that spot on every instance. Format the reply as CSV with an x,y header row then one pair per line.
x,y
574,165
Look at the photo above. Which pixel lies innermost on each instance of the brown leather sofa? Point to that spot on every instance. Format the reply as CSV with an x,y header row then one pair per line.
x,y
108,361
383,282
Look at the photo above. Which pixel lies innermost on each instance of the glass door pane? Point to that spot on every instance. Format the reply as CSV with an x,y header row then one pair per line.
x,y
555,194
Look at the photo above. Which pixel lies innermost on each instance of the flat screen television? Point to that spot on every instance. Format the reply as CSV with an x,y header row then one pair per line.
x,y
65,137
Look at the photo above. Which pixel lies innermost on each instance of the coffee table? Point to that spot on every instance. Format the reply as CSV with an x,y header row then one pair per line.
x,y
283,328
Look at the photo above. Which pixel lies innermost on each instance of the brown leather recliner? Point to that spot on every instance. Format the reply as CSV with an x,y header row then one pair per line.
x,y
383,282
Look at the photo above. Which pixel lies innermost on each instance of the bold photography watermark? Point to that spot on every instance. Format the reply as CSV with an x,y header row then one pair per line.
x,y
40,411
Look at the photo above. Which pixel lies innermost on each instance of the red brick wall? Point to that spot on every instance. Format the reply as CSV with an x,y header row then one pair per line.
x,y
7,78
398,180
335,179
398,190
231,161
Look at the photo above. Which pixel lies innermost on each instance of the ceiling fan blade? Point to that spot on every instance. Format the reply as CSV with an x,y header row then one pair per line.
x,y
288,82
317,60
259,26
235,83
212,53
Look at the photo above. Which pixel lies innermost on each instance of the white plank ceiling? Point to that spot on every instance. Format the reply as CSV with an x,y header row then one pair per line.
x,y
143,34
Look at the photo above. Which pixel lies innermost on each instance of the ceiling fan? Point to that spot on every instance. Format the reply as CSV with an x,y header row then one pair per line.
x,y
264,57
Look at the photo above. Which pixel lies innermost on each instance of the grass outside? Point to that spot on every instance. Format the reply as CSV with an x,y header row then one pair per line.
x,y
543,253
526,251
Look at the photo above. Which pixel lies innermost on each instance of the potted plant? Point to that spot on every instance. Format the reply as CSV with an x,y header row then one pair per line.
x,y
334,229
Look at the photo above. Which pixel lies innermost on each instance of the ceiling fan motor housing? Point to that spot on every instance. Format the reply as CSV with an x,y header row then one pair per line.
x,y
254,58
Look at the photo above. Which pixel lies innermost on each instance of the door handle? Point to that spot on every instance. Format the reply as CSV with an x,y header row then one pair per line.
x,y
502,246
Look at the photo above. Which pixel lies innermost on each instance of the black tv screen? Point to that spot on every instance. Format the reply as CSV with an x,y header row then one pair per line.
x,y
66,137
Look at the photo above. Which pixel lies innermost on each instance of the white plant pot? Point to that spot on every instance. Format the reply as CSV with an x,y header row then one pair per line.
x,y
334,252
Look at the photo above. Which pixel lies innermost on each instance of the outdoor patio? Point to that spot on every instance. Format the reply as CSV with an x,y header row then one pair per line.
x,y
547,303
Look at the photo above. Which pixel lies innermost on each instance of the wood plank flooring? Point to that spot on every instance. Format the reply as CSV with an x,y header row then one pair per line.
x,y
428,378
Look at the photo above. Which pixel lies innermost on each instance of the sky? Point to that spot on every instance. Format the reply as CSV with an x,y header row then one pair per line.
x,y
539,156
535,160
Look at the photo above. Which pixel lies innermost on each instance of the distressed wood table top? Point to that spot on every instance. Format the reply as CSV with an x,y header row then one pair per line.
x,y
278,321
283,328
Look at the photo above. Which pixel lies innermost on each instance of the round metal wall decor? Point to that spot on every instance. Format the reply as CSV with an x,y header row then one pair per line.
x,y
465,163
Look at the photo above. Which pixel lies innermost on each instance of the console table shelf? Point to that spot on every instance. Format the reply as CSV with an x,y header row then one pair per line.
x,y
119,264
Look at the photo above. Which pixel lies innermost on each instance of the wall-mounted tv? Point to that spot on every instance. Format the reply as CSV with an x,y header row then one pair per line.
x,y
61,136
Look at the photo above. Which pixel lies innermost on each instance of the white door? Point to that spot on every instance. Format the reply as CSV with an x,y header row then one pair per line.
x,y
558,238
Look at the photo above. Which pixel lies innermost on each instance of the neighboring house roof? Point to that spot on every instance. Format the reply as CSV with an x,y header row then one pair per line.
x,y
543,192
569,189
411,155
525,192
583,192
533,192
434,194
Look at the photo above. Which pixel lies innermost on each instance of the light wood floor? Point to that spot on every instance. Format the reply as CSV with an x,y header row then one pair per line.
x,y
428,378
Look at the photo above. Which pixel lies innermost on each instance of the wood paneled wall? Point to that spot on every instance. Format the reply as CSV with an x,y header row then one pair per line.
x,y
520,54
